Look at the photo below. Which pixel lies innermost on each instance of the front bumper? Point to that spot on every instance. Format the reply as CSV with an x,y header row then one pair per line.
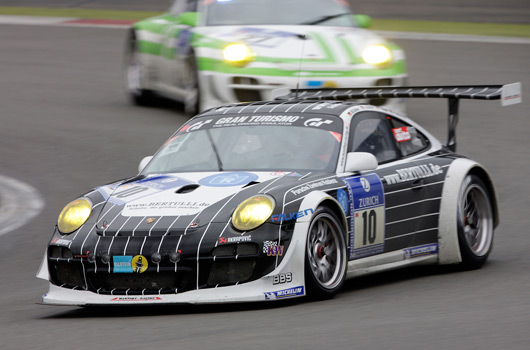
x,y
222,88
267,287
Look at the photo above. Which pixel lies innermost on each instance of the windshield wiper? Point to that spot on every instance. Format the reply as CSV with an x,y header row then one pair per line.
x,y
325,18
219,163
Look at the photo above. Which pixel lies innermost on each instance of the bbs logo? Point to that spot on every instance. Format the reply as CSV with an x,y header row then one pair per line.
x,y
282,278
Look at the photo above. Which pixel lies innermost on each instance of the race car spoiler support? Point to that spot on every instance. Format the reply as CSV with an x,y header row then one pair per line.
x,y
508,94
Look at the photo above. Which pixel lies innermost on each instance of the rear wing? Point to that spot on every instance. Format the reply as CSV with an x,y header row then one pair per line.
x,y
508,94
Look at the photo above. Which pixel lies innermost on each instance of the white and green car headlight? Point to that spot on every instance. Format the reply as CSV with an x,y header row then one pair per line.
x,y
253,212
238,54
377,55
74,215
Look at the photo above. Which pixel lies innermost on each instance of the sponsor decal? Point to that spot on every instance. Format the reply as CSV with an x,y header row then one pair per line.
x,y
106,191
61,242
282,278
260,37
122,264
146,187
427,249
228,179
310,185
163,208
336,135
316,122
139,264
250,120
291,216
275,250
312,84
413,173
367,209
342,198
196,126
82,255
401,134
366,184
235,239
285,293
133,298
267,244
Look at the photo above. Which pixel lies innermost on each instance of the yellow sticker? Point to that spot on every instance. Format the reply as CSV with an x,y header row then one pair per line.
x,y
329,84
139,264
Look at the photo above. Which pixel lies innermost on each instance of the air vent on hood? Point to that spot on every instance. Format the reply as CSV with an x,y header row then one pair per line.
x,y
187,188
251,183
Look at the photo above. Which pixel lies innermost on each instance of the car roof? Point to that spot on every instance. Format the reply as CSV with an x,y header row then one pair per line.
x,y
310,106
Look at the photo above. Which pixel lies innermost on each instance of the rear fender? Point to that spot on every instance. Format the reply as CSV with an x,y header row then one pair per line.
x,y
448,247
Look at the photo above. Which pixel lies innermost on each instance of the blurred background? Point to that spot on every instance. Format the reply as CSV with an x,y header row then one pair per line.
x,y
66,126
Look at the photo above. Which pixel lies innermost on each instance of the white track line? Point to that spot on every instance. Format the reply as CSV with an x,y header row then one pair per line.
x,y
19,204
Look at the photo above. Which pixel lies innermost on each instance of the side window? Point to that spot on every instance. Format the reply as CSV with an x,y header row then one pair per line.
x,y
409,140
371,132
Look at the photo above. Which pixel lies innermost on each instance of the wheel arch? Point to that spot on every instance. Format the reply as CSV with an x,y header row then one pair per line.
x,y
448,246
320,198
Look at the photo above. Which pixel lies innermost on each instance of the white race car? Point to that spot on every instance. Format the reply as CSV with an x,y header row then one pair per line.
x,y
213,52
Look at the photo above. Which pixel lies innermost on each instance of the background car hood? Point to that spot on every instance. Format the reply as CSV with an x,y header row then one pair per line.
x,y
332,45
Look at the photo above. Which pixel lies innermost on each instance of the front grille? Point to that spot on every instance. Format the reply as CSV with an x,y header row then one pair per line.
x,y
147,282
229,271
66,274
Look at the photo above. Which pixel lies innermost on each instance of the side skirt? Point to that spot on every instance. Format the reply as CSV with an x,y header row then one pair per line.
x,y
386,262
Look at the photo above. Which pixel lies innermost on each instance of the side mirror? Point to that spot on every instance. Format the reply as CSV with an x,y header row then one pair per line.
x,y
189,18
363,21
360,161
143,163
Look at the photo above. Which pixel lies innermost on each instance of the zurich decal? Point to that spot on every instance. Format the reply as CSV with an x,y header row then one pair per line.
x,y
228,179
367,209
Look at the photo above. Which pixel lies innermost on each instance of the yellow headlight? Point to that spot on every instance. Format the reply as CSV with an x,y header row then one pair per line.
x,y
238,54
377,54
74,215
253,212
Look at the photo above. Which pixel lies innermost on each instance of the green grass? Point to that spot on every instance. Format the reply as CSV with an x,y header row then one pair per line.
x,y
78,13
492,29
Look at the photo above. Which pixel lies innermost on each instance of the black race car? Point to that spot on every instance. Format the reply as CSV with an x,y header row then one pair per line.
x,y
278,199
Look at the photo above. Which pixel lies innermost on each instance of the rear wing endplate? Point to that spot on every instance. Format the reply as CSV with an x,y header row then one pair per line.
x,y
509,94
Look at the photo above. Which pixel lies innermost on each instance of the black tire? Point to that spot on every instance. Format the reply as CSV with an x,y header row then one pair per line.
x,y
325,257
134,74
475,223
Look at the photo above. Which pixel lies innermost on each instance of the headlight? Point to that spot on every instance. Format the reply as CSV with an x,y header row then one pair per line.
x,y
74,215
238,54
253,212
377,54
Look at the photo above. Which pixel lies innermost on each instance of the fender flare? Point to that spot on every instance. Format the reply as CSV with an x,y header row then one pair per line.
x,y
448,246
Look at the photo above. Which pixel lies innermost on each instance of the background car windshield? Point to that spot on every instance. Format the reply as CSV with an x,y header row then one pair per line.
x,y
287,12
257,148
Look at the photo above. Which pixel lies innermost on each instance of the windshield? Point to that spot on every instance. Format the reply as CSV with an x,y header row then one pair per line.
x,y
254,148
286,12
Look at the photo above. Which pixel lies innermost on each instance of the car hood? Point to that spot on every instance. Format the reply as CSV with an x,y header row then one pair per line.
x,y
175,203
332,45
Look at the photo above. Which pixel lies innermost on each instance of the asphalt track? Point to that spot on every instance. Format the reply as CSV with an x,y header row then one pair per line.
x,y
65,127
